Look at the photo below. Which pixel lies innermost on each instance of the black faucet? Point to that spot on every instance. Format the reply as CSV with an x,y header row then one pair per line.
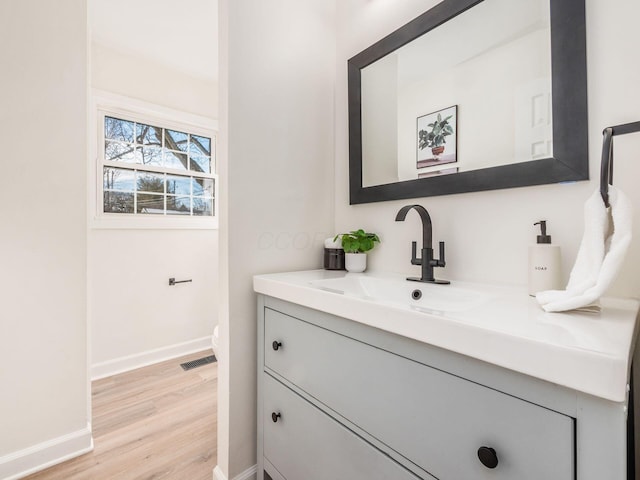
x,y
426,261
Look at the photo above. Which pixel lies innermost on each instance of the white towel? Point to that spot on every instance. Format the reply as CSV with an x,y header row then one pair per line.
x,y
607,235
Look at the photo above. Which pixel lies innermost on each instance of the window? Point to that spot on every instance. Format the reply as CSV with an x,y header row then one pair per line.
x,y
149,169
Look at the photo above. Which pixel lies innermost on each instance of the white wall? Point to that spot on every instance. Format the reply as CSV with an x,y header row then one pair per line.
x,y
487,233
145,79
277,84
43,362
135,316
133,308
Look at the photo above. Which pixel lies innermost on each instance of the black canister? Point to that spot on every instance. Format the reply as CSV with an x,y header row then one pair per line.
x,y
334,259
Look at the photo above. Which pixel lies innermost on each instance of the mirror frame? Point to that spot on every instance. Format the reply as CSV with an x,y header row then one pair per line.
x,y
569,112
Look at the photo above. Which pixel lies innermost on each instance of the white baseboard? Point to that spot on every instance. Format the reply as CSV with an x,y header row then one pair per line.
x,y
143,359
248,474
46,454
218,474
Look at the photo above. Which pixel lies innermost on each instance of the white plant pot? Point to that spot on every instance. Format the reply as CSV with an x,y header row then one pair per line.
x,y
355,262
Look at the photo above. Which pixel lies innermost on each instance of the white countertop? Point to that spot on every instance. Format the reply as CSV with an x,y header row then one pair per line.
x,y
588,352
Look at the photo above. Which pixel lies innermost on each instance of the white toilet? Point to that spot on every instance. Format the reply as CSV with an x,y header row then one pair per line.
x,y
214,341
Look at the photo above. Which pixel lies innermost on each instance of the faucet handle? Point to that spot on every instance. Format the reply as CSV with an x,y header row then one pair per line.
x,y
438,262
441,262
414,254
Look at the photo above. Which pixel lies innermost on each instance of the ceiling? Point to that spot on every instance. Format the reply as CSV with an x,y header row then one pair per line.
x,y
180,34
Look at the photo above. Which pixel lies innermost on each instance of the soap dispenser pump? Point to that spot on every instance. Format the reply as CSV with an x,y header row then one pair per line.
x,y
544,263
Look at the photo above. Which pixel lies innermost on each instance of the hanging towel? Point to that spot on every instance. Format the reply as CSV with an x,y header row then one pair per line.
x,y
606,238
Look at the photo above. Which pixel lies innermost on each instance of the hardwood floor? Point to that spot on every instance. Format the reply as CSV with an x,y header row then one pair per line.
x,y
157,422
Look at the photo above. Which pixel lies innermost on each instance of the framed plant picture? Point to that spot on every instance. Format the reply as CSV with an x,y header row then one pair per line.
x,y
437,138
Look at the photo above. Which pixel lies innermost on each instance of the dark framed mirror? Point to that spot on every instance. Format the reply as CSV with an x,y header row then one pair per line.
x,y
470,96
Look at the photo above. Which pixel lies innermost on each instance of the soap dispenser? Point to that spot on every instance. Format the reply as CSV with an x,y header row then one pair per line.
x,y
544,263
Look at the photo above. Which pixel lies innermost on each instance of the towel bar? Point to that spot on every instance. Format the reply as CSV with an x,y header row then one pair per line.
x,y
606,166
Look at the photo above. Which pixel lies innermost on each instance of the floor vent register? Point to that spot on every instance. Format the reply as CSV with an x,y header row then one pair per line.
x,y
198,363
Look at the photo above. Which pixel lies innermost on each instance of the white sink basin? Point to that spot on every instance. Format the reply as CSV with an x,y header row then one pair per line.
x,y
500,325
404,293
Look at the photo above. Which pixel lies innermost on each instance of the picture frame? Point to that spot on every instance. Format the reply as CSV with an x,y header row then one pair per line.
x,y
437,138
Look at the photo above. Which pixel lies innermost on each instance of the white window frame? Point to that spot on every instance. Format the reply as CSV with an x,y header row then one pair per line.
x,y
113,105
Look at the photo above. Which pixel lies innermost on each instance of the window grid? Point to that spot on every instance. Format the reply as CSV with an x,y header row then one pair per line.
x,y
127,145
205,195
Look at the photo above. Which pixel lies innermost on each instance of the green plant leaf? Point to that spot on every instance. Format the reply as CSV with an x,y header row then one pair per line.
x,y
358,241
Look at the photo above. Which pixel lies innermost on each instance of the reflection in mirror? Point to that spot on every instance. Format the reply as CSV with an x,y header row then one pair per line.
x,y
498,75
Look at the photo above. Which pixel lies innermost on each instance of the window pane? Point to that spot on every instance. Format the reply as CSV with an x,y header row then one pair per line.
x,y
178,205
148,150
201,145
119,152
200,163
175,160
148,135
203,187
178,185
118,179
203,206
150,182
176,140
152,204
149,156
118,202
116,129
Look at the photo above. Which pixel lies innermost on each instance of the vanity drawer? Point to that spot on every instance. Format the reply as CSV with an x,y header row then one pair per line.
x,y
306,444
434,419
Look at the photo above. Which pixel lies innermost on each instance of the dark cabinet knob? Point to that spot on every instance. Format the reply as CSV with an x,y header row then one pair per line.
x,y
276,344
275,416
488,457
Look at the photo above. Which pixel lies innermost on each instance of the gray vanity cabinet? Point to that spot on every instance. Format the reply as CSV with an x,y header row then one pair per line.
x,y
341,400
306,443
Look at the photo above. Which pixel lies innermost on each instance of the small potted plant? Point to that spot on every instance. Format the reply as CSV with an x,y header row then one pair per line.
x,y
436,138
356,244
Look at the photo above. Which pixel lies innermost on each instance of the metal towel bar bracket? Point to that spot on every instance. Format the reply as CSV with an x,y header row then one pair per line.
x,y
606,166
172,281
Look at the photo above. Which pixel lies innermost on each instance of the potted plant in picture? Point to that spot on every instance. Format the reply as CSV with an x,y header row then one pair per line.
x,y
437,137
356,244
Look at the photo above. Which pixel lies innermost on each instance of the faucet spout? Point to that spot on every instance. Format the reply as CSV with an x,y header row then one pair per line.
x,y
427,260
427,227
